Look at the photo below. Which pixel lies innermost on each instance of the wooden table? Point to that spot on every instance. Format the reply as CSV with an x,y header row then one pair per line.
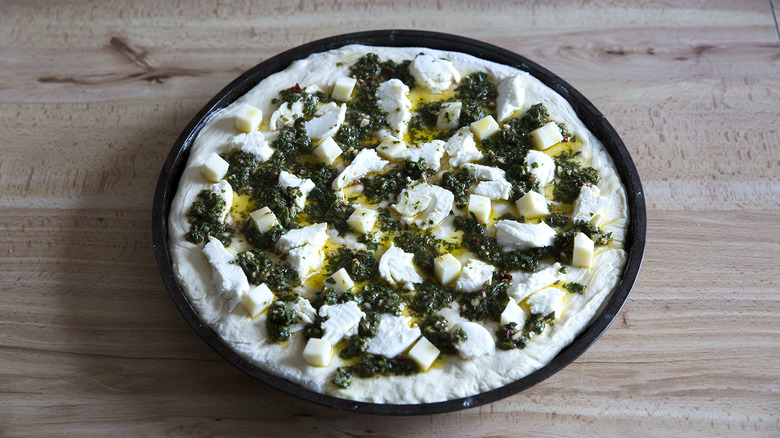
x,y
93,95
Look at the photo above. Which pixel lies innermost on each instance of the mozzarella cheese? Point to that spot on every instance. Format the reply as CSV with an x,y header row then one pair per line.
x,y
286,114
429,153
462,148
513,313
479,341
229,279
590,206
434,74
327,122
253,143
315,235
224,191
541,166
365,162
304,187
424,205
498,189
392,98
339,320
511,96
525,283
547,301
513,235
396,267
474,275
393,336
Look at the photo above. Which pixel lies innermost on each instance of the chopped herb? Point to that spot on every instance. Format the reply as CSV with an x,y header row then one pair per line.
x,y
360,265
205,219
575,288
279,321
487,303
423,245
458,182
430,297
572,176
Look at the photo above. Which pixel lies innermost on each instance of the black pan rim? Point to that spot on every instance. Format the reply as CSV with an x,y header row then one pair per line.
x,y
590,116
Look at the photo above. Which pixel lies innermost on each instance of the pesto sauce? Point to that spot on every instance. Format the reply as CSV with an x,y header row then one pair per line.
x,y
205,219
510,336
572,177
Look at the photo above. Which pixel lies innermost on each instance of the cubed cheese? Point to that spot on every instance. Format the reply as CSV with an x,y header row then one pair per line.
x,y
327,151
478,341
547,301
342,90
484,128
480,207
303,187
317,352
513,313
228,278
541,166
315,235
253,143
327,121
462,148
365,162
513,235
429,153
215,168
339,320
446,268
362,219
546,136
533,205
257,300
340,281
582,256
248,118
424,353
449,115
396,267
511,96
392,98
393,336
264,219
525,283
590,206
392,148
474,275
498,189
432,73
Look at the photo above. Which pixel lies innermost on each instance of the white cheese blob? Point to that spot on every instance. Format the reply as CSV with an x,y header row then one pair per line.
x,y
365,162
339,320
590,206
253,143
498,189
432,73
525,283
513,235
541,166
328,118
478,341
429,153
393,336
304,313
396,267
484,173
462,148
424,205
513,313
511,96
547,301
224,191
228,278
392,98
304,187
474,275
315,235
286,114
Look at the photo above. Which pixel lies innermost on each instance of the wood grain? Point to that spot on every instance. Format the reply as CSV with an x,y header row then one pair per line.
x,y
93,95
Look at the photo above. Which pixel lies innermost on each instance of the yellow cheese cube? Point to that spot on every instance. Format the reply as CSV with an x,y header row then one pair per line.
x,y
215,168
424,353
392,148
485,127
546,136
533,204
480,207
257,300
447,268
513,313
342,90
264,219
317,352
362,220
327,151
340,281
582,256
449,115
248,118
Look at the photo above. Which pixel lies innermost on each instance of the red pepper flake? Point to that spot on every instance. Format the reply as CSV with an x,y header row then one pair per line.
x,y
478,240
565,138
370,78
297,89
506,276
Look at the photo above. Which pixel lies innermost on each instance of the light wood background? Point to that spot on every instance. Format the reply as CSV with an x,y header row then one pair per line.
x,y
93,95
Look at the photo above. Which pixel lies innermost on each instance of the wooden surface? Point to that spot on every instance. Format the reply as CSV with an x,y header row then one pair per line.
x,y
92,97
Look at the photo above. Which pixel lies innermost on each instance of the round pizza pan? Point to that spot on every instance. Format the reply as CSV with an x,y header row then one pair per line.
x,y
591,118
